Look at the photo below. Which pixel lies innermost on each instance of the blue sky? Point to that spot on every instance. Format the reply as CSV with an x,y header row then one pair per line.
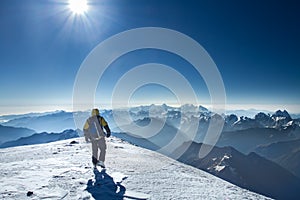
x,y
255,45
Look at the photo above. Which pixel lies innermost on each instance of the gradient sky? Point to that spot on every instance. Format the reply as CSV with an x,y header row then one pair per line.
x,y
255,45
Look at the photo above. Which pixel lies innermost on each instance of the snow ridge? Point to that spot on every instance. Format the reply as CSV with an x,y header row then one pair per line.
x,y
62,170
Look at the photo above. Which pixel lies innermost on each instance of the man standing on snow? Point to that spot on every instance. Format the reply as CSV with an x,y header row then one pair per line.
x,y
93,131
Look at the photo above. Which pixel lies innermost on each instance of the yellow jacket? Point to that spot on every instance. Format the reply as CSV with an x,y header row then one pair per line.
x,y
102,122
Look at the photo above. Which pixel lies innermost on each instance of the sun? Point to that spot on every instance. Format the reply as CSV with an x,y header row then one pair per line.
x,y
78,6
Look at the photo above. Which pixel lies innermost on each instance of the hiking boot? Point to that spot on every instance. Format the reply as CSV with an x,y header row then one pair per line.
x,y
101,164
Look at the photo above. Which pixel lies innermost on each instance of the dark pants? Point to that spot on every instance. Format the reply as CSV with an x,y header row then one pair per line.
x,y
96,145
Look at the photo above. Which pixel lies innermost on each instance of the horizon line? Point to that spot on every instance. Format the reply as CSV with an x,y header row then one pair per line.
x,y
26,109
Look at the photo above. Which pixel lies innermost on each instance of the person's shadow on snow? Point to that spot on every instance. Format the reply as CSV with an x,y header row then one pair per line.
x,y
104,187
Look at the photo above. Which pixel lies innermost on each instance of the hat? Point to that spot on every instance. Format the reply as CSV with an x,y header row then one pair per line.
x,y
95,111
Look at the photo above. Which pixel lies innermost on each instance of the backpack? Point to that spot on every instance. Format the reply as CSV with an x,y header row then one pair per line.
x,y
95,128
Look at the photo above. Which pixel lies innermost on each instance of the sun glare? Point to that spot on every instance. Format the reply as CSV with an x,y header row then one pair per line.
x,y
78,6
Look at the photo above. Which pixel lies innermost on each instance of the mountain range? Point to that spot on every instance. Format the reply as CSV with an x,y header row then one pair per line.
x,y
286,154
8,133
52,122
60,120
248,171
40,138
251,152
251,171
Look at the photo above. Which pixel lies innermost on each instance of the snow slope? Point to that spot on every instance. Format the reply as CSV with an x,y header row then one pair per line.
x,y
61,170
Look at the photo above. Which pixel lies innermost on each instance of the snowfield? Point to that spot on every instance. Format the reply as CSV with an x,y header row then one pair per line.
x,y
61,170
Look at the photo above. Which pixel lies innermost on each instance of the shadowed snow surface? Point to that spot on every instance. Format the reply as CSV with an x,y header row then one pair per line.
x,y
60,170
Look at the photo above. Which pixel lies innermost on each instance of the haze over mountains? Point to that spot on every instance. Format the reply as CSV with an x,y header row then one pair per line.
x,y
60,120
8,133
40,138
262,147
